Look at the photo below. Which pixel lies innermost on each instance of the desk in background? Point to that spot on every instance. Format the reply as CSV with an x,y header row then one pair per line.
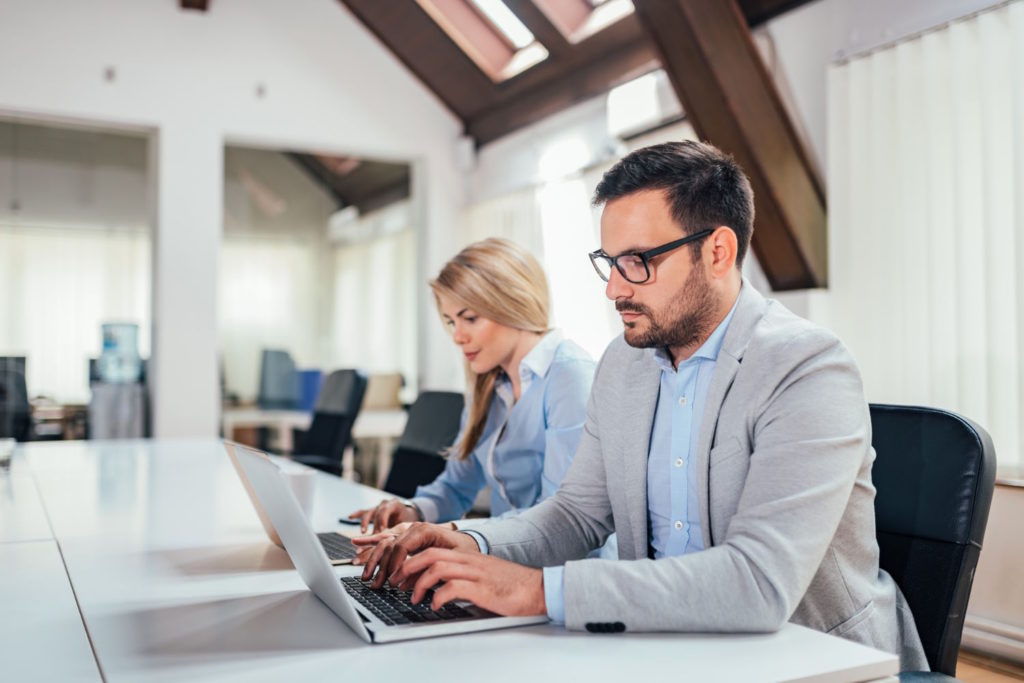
x,y
176,581
382,426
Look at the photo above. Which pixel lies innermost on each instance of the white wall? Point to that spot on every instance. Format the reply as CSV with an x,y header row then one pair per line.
x,y
807,39
72,178
995,616
192,80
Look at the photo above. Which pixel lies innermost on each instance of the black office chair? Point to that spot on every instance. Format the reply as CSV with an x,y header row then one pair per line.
x,y
432,427
15,411
934,472
329,434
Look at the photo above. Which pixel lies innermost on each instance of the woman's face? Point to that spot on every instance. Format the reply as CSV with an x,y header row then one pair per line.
x,y
485,343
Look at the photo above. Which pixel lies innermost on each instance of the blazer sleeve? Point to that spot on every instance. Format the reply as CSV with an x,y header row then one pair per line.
x,y
811,434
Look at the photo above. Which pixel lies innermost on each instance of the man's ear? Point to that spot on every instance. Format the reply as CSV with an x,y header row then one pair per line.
x,y
723,251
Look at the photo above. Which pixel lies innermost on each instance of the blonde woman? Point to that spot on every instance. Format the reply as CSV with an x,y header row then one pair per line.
x,y
527,390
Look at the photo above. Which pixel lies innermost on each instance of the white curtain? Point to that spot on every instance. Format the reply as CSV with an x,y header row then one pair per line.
x,y
375,295
57,286
269,291
926,221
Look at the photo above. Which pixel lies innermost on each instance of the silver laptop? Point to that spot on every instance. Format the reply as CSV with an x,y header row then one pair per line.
x,y
338,547
380,616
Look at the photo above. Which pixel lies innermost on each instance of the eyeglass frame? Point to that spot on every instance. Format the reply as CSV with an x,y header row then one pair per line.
x,y
645,256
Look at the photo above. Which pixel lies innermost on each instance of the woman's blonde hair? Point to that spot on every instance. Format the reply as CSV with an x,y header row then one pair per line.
x,y
502,282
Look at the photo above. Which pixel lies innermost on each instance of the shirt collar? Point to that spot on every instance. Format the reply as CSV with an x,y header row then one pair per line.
x,y
535,364
540,357
708,350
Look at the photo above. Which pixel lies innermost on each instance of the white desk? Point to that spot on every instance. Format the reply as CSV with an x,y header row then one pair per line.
x,y
176,580
22,517
41,633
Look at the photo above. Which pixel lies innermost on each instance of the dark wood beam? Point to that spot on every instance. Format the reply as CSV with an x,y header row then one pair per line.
x,y
707,50
540,26
200,5
758,12
572,87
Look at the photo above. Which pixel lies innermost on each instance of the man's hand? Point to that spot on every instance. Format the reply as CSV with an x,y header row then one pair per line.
x,y
389,549
497,585
387,514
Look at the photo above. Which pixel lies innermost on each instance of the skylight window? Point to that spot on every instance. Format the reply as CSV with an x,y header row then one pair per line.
x,y
489,33
508,23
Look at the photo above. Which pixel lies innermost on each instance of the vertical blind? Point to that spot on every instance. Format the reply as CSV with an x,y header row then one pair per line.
x,y
926,221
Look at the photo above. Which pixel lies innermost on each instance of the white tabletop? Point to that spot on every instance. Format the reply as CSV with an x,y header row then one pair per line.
x,y
41,632
176,580
22,517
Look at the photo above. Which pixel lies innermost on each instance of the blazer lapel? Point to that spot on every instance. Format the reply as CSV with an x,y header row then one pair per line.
x,y
749,311
639,404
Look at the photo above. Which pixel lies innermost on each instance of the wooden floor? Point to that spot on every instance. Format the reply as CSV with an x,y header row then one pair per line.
x,y
975,668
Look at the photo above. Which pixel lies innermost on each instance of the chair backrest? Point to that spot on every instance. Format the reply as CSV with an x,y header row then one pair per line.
x,y
382,391
934,474
342,393
279,381
337,407
432,427
15,411
328,435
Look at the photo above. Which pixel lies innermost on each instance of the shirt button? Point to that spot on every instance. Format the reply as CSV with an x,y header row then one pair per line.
x,y
679,462
678,525
682,400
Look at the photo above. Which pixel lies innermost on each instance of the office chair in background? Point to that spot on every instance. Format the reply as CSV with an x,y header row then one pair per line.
x,y
432,427
15,411
934,473
337,406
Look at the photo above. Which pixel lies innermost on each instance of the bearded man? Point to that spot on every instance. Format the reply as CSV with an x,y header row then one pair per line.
x,y
727,442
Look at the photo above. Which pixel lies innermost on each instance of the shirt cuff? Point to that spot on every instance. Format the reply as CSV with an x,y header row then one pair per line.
x,y
554,593
427,508
480,540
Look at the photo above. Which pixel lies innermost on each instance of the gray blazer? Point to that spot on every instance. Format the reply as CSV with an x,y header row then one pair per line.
x,y
786,500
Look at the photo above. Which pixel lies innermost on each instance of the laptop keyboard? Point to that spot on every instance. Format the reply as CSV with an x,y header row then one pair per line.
x,y
394,607
338,547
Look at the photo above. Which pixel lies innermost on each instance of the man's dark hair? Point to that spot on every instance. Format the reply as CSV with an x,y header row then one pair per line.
x,y
705,187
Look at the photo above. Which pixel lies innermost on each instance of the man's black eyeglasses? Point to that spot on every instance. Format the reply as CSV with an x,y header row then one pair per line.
x,y
635,266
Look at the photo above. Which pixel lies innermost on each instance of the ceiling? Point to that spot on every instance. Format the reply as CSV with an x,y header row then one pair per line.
x,y
459,51
571,73
363,183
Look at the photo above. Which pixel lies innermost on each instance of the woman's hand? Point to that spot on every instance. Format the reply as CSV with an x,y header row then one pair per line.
x,y
387,514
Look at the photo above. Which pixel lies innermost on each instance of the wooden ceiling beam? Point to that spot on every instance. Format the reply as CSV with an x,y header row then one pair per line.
x,y
706,49
758,12
198,5
541,27
572,87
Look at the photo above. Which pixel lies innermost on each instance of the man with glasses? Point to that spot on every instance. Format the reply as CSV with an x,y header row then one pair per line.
x,y
727,441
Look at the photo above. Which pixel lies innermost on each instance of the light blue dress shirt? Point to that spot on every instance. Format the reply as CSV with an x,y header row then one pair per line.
x,y
673,517
526,445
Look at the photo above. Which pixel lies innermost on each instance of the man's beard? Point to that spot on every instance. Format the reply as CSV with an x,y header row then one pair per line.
x,y
688,319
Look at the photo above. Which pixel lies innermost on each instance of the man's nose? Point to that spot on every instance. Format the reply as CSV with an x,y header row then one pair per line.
x,y
618,287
